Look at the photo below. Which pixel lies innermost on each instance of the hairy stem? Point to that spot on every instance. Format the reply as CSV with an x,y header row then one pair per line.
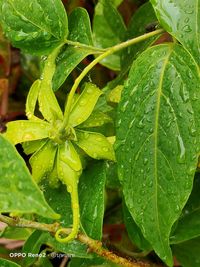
x,y
93,245
108,52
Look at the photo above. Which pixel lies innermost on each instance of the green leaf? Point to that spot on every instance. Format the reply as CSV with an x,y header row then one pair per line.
x,y
97,261
181,19
71,56
11,233
92,212
32,146
96,119
158,141
95,145
188,253
23,131
17,183
36,27
134,231
108,30
42,161
137,26
32,100
188,226
84,105
6,263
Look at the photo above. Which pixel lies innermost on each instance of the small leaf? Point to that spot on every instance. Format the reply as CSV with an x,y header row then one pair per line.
x,y
107,17
71,56
188,226
68,154
36,27
96,119
11,233
158,141
181,19
42,161
23,131
92,212
84,105
6,263
32,100
188,253
95,145
17,183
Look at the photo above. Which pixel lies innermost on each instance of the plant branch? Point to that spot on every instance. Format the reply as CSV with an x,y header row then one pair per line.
x,y
84,46
94,245
108,52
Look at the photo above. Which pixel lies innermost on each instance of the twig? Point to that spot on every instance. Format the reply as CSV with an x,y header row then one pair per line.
x,y
93,245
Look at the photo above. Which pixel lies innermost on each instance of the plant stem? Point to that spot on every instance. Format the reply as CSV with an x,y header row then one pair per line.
x,y
93,245
108,52
84,46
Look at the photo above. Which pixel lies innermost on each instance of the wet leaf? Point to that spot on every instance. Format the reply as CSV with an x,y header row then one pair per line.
x,y
181,19
158,141
95,145
107,17
70,57
36,27
23,131
17,183
32,100
84,105
96,119
92,212
42,161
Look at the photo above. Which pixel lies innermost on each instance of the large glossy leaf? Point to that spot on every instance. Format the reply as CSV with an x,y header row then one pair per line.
x,y
34,26
188,226
70,57
182,20
92,212
142,18
188,253
158,140
6,263
18,191
108,30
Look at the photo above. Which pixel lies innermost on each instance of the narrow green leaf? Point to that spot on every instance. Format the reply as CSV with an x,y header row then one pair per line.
x,y
134,231
36,27
108,30
32,100
142,18
42,161
23,131
11,233
188,226
84,105
181,19
17,184
92,212
70,57
158,141
95,145
6,263
188,253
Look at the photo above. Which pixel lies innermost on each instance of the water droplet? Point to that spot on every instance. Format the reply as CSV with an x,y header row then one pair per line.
x,y
187,28
141,124
145,161
105,149
123,108
184,94
181,158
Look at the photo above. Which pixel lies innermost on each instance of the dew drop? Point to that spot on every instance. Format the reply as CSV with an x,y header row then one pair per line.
x,y
187,28
181,158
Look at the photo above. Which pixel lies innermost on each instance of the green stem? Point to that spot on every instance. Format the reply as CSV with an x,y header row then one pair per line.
x,y
84,46
108,52
76,217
